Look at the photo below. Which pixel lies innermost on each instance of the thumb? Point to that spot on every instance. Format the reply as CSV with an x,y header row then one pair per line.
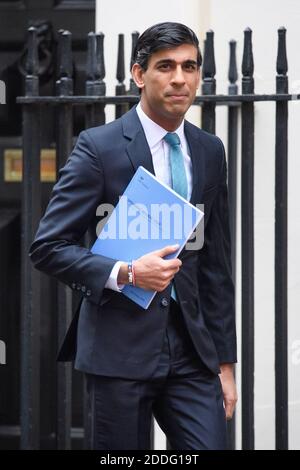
x,y
166,250
229,408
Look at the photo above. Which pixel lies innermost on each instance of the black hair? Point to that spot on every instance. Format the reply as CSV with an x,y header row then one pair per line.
x,y
163,36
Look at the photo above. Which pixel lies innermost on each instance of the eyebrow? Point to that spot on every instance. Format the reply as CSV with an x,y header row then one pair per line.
x,y
171,61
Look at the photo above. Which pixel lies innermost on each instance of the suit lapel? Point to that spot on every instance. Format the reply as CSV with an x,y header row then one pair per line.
x,y
197,157
137,149
139,152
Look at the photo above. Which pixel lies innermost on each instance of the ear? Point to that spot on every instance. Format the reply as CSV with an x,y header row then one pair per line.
x,y
138,75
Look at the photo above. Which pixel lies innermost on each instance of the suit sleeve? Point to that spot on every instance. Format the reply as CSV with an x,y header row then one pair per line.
x,y
56,249
214,274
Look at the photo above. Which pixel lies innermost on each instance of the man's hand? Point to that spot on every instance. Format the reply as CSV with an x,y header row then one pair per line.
x,y
151,271
229,389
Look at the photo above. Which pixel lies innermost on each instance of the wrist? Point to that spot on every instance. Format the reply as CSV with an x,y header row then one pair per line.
x,y
227,368
131,274
123,274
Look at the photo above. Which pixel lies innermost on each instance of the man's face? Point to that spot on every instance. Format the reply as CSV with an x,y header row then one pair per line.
x,y
169,84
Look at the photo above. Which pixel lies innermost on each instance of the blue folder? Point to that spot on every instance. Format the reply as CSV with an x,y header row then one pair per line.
x,y
148,217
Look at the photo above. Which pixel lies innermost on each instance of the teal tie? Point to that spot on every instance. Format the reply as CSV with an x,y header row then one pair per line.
x,y
179,181
178,174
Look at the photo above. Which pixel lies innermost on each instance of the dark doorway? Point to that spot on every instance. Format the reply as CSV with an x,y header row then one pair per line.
x,y
48,16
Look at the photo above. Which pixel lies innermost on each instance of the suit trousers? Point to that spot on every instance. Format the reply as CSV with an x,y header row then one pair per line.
x,y
184,396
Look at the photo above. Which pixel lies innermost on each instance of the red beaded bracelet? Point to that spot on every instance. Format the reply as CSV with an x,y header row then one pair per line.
x,y
133,273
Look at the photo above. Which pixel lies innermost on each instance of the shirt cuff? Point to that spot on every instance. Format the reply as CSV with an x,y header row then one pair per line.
x,y
111,282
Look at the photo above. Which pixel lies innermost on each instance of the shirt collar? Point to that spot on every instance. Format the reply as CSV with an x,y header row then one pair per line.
x,y
153,132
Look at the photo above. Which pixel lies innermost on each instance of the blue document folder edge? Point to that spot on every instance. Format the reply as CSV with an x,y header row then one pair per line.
x,y
149,216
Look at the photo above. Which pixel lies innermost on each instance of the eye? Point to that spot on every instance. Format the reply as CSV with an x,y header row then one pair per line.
x,y
190,67
164,66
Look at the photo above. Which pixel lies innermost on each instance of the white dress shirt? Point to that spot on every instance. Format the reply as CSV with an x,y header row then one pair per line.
x,y
160,157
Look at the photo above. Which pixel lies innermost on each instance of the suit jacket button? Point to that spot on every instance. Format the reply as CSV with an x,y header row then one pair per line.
x,y
164,302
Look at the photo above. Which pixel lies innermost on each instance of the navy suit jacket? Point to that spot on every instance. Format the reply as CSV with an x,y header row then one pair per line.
x,y
111,335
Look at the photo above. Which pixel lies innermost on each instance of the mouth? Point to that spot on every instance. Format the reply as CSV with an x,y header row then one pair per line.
x,y
177,97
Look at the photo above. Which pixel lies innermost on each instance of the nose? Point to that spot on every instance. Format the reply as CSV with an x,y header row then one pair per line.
x,y
178,77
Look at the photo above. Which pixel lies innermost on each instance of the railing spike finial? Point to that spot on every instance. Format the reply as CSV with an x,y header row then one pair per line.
x,y
66,67
58,51
32,64
232,71
91,56
247,63
120,87
133,89
100,56
282,63
32,61
64,84
208,116
95,65
121,60
134,36
209,65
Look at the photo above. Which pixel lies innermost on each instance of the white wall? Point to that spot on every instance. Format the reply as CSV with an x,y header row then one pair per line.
x,y
228,18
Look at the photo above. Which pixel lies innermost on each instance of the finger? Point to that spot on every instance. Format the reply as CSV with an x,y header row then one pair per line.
x,y
229,408
170,273
170,276
167,250
172,264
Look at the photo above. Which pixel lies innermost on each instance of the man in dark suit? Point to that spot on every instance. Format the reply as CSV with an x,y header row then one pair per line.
x,y
174,359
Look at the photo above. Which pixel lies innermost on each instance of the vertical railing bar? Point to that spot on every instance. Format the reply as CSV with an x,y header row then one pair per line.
x,y
209,84
100,86
30,294
95,85
90,88
232,153
94,116
247,207
64,87
133,89
281,251
232,133
120,87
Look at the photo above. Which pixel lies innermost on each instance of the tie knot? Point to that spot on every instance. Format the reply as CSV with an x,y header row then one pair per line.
x,y
172,139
